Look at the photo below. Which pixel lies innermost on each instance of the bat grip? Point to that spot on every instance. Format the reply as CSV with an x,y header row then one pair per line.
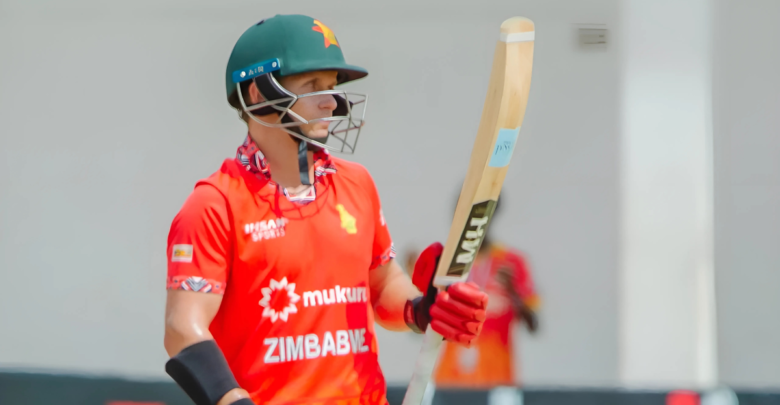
x,y
423,369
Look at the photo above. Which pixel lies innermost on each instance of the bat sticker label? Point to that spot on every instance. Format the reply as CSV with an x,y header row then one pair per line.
x,y
505,145
471,238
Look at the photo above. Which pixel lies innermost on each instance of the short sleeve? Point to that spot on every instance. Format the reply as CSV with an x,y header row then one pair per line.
x,y
383,249
524,284
199,243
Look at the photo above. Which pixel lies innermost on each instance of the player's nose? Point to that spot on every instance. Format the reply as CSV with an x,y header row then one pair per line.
x,y
328,102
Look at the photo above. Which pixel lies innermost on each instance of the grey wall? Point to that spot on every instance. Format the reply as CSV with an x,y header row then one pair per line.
x,y
746,95
109,112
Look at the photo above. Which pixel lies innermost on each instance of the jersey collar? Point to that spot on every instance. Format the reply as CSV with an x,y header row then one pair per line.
x,y
253,160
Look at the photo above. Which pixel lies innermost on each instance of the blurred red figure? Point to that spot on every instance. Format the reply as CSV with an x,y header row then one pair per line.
x,y
489,361
506,277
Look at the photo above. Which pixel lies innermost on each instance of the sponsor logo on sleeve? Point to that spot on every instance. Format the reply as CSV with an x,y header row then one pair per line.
x,y
182,253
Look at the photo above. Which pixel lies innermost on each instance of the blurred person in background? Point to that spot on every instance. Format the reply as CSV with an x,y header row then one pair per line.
x,y
505,275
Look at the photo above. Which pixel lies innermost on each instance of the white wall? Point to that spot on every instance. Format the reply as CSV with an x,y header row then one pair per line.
x,y
667,310
109,112
747,190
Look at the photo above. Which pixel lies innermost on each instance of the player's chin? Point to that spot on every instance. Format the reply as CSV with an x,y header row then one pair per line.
x,y
318,132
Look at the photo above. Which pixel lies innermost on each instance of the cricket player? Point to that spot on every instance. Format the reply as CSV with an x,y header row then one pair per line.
x,y
280,262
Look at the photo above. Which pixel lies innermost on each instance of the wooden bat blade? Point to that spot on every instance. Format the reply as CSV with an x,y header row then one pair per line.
x,y
502,117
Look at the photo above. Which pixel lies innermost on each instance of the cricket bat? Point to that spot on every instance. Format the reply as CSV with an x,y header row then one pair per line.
x,y
502,116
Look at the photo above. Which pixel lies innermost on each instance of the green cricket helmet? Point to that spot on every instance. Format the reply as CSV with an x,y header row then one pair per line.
x,y
286,45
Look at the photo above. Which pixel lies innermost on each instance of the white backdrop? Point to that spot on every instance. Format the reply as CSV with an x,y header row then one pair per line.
x,y
747,190
110,111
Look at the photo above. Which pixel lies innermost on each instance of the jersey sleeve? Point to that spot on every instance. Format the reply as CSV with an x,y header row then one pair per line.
x,y
383,249
524,284
199,243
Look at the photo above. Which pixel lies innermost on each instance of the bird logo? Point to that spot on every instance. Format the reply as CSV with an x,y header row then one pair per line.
x,y
330,37
348,222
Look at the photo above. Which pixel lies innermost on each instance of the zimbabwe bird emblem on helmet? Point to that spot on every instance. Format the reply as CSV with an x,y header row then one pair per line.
x,y
330,37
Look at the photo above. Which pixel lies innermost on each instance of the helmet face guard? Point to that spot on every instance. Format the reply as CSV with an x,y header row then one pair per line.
x,y
344,125
287,45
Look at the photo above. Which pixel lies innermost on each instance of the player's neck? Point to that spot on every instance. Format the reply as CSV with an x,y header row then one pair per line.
x,y
281,153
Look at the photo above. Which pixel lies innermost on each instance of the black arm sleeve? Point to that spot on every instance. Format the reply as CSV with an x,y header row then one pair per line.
x,y
202,372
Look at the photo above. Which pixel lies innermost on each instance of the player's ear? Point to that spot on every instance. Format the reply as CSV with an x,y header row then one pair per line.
x,y
254,94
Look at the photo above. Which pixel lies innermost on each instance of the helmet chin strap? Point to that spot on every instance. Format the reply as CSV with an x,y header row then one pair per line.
x,y
303,162
303,156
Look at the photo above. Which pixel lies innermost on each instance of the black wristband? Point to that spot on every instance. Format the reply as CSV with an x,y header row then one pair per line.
x,y
416,312
202,372
243,401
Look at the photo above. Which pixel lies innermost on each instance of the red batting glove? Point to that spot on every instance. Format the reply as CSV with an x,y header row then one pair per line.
x,y
457,313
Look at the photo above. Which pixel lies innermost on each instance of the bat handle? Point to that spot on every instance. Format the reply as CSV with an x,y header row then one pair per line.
x,y
423,369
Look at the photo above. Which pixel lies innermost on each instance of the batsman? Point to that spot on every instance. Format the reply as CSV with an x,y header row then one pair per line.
x,y
280,262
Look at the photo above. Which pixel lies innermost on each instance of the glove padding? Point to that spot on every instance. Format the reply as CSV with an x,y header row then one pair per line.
x,y
425,269
457,313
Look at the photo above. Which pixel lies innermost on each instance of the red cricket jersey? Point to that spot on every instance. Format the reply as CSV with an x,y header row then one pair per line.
x,y
295,324
488,362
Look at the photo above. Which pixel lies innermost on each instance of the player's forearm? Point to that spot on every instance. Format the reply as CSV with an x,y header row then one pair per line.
x,y
391,288
179,336
389,308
